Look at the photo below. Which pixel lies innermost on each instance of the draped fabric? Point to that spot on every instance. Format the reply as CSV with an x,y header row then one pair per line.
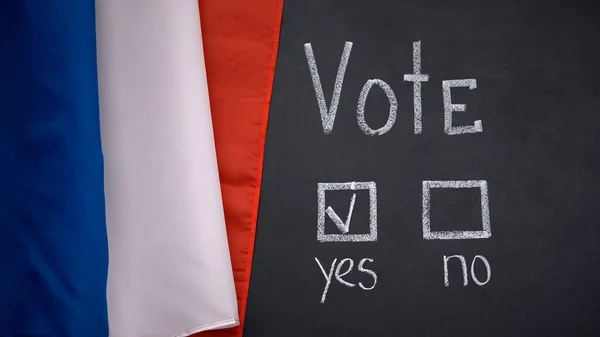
x,y
240,42
170,272
53,249
128,197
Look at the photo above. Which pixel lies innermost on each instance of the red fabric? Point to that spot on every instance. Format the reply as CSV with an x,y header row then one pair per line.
x,y
240,47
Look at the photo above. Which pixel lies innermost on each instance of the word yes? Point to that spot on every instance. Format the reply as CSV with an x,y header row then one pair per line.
x,y
339,274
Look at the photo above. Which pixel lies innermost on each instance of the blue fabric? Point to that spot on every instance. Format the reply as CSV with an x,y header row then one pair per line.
x,y
53,242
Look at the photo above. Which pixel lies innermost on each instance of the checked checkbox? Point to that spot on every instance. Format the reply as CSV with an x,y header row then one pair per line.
x,y
344,225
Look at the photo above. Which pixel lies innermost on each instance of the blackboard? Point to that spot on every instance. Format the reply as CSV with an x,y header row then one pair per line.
x,y
515,196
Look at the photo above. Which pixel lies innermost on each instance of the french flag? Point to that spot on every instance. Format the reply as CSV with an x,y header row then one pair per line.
x,y
132,136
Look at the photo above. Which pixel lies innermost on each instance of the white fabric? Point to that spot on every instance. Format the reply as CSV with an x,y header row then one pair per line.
x,y
170,271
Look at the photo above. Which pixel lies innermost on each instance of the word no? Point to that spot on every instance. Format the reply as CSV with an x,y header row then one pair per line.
x,y
339,274
463,264
328,115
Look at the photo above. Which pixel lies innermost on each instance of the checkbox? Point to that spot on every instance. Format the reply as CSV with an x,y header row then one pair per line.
x,y
344,225
428,234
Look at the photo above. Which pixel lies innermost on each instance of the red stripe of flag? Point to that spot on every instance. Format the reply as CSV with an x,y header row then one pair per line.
x,y
240,44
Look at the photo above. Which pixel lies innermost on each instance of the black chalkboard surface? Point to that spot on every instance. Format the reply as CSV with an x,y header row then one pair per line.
x,y
455,190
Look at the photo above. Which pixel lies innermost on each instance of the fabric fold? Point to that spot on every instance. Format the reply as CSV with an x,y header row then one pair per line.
x,y
170,272
53,241
241,40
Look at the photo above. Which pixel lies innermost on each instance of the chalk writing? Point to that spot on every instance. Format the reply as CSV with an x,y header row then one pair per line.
x,y
327,277
339,271
344,227
339,274
362,269
449,107
362,101
487,268
428,234
328,117
463,263
417,78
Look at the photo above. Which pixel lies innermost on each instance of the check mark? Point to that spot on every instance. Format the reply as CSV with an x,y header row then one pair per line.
x,y
344,227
